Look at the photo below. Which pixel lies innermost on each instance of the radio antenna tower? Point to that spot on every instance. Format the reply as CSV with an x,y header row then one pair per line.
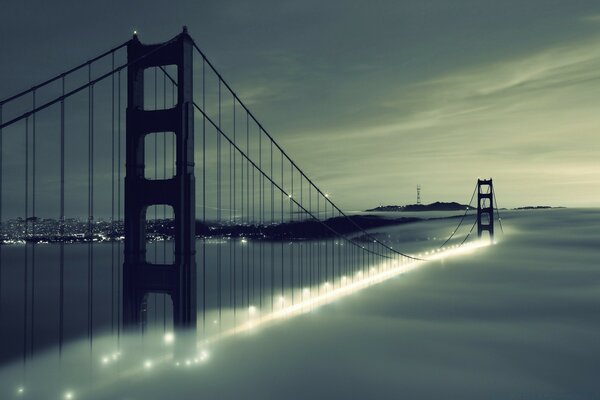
x,y
418,194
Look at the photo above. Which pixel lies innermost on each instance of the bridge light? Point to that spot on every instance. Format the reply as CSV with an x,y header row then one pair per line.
x,y
204,355
148,364
20,390
69,395
252,310
169,338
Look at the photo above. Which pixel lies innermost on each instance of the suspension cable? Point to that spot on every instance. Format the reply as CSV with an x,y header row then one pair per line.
x,y
468,234
498,212
84,86
369,235
462,219
60,76
275,185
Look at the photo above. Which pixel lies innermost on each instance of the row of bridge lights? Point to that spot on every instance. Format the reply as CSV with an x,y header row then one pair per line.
x,y
203,355
68,395
253,312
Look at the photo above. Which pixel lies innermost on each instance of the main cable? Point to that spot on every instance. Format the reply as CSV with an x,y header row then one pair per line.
x,y
462,219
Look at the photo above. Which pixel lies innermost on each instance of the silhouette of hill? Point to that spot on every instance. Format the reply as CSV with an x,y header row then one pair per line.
x,y
437,206
307,229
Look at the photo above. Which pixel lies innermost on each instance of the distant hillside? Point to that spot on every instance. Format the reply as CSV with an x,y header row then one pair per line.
x,y
306,229
437,206
535,208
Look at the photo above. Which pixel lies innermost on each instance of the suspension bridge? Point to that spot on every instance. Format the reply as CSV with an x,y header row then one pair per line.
x,y
137,190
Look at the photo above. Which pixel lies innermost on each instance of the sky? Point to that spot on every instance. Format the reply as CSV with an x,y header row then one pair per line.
x,y
373,98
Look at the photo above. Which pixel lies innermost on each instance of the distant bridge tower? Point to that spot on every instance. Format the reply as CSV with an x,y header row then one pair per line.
x,y
418,194
140,277
485,207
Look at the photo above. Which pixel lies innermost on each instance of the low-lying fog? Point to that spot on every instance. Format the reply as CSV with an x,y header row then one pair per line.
x,y
516,320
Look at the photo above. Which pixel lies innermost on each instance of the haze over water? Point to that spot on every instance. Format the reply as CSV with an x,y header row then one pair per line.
x,y
518,319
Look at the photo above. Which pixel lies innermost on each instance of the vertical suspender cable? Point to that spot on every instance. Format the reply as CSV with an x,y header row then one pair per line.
x,y
164,216
90,206
112,199
33,221
62,222
272,244
248,213
302,247
318,247
204,197
311,244
291,219
1,192
261,212
326,243
155,224
219,298
119,208
281,245
232,216
25,277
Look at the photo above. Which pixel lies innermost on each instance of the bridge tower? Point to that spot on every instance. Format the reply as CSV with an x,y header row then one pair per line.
x,y
140,277
485,207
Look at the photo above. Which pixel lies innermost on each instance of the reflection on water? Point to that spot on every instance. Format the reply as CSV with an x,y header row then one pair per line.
x,y
49,304
106,357
519,317
80,346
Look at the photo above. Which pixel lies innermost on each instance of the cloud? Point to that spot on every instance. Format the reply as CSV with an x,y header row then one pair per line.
x,y
534,115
